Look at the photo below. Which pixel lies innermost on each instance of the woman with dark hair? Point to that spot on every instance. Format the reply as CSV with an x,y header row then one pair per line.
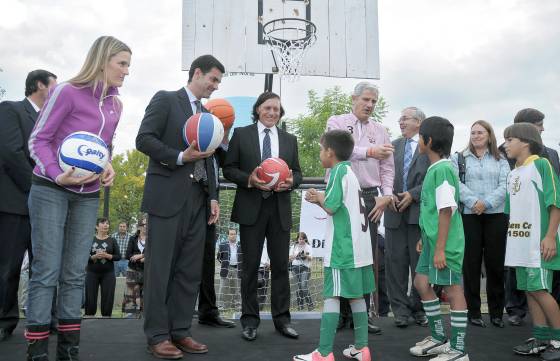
x,y
300,256
101,270
483,174
263,212
133,301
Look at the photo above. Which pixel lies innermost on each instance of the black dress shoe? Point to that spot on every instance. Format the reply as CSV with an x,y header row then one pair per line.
x,y
477,322
371,328
421,319
342,323
288,331
401,321
249,333
4,334
497,321
515,320
216,322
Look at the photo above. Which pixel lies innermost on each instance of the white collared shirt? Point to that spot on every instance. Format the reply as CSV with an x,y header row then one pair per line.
x,y
273,139
414,143
35,106
232,254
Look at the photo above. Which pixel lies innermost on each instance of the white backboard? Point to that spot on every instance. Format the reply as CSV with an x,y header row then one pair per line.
x,y
347,43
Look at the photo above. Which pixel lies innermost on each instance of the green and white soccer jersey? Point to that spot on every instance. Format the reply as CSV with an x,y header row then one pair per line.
x,y
441,190
531,189
347,239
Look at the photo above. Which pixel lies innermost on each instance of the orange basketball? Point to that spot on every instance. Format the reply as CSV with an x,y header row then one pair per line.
x,y
222,109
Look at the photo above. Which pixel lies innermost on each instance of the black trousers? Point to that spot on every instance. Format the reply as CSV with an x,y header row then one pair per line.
x,y
15,239
380,294
485,239
278,242
207,295
106,281
172,269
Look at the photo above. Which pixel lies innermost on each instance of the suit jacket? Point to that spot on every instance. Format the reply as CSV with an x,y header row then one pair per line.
x,y
418,167
223,258
16,123
168,185
243,156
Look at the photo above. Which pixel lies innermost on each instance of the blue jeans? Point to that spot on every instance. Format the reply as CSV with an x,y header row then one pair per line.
x,y
121,267
62,229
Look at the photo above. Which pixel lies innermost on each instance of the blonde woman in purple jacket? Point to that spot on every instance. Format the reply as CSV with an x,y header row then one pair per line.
x,y
63,207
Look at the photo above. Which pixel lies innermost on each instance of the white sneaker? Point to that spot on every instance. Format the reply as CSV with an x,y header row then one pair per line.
x,y
430,347
362,354
451,355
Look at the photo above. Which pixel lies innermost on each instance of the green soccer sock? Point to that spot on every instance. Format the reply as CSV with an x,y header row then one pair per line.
x,y
433,312
360,317
329,321
555,334
543,333
458,330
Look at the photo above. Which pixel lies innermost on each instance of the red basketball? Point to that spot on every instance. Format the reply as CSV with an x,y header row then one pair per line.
x,y
222,109
273,171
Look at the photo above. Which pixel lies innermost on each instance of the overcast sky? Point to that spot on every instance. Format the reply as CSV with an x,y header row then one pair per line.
x,y
464,60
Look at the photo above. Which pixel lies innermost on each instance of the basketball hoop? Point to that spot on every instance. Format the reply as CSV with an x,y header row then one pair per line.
x,y
288,40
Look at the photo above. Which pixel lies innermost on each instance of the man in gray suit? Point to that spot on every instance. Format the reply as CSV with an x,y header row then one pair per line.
x,y
401,222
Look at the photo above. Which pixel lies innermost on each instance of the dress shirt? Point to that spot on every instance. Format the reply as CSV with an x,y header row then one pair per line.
x,y
35,106
414,143
232,254
369,171
485,179
273,139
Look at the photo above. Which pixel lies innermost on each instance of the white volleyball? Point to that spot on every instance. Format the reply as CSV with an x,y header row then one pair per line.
x,y
84,151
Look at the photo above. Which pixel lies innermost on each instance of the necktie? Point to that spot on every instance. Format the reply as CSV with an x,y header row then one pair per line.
x,y
266,152
199,165
407,161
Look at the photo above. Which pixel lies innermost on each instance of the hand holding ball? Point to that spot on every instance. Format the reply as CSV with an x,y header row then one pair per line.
x,y
273,171
205,129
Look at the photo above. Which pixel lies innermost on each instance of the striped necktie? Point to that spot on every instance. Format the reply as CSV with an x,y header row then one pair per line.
x,y
407,161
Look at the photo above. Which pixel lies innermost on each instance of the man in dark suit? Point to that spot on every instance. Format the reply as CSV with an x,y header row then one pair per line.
x,y
401,220
179,184
263,212
208,313
16,122
516,301
230,258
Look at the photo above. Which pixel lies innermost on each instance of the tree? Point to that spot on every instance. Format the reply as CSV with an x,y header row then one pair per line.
x,y
128,187
309,127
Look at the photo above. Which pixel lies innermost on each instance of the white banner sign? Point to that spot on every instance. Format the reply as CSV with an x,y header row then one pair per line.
x,y
313,221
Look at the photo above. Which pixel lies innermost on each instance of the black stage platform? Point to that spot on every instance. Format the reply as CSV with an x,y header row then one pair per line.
x,y
123,340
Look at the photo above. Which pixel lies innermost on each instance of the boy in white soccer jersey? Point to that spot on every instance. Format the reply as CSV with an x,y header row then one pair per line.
x,y
442,245
532,201
347,262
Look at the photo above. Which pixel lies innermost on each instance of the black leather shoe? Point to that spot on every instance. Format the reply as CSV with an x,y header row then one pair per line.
x,y
4,334
421,319
477,322
342,323
515,320
371,328
401,321
216,322
288,331
249,333
497,321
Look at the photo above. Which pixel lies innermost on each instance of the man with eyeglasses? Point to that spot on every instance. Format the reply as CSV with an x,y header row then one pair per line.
x,y
402,231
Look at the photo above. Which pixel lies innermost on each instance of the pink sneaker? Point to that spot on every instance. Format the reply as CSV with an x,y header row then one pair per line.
x,y
362,354
314,356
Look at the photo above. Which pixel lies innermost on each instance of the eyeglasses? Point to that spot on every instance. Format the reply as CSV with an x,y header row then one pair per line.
x,y
404,119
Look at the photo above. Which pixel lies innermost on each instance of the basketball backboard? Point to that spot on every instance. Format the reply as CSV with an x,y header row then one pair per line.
x,y
347,42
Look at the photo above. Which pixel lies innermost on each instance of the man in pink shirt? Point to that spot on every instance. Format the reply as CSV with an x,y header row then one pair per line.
x,y
372,162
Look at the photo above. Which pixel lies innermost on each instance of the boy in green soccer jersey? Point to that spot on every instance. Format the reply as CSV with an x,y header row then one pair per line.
x,y
348,258
442,245
533,201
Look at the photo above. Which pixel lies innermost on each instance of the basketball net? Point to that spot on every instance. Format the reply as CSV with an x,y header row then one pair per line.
x,y
289,39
